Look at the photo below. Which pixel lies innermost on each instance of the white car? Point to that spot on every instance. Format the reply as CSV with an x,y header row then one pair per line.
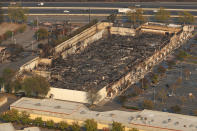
x,y
66,11
40,4
155,11
137,5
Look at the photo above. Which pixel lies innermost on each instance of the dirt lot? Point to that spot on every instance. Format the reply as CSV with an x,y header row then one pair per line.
x,y
8,27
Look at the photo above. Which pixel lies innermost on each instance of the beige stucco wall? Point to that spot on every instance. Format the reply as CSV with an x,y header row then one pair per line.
x,y
70,121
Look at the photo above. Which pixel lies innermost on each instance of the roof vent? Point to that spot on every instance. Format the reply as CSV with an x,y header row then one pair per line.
x,y
37,104
169,120
112,115
176,123
82,112
57,107
164,122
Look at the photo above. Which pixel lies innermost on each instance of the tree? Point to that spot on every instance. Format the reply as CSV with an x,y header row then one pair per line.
x,y
62,125
7,76
161,70
75,126
154,78
136,16
122,99
50,124
140,17
91,125
132,16
93,96
162,95
111,18
38,121
1,14
35,86
176,109
148,104
162,15
17,14
144,83
41,34
24,117
117,127
187,73
170,64
10,116
186,18
183,99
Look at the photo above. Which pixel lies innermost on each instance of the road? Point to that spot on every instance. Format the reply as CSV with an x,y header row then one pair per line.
x,y
103,8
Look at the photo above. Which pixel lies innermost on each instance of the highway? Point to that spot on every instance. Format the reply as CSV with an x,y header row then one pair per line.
x,y
103,9
173,5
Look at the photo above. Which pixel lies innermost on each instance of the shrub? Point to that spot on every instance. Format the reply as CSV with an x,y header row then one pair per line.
x,y
181,55
75,126
91,125
122,99
24,118
62,125
148,104
50,124
38,121
117,127
10,116
8,34
176,109
22,29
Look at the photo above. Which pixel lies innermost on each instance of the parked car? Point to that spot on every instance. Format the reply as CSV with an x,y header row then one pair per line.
x,y
20,94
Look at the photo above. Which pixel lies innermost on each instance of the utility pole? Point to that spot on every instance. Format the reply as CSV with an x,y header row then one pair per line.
x,y
12,36
154,93
37,28
89,15
32,45
15,41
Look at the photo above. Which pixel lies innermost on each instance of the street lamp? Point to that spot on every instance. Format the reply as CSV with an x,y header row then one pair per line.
x,y
88,10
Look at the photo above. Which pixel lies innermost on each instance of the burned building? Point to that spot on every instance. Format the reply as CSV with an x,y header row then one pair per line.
x,y
104,61
108,59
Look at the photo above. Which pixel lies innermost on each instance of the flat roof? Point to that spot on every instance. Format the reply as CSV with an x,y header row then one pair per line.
x,y
77,111
6,127
49,105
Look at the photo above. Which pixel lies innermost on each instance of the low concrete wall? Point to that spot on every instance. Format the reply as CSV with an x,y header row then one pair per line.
x,y
32,64
68,95
122,31
45,61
